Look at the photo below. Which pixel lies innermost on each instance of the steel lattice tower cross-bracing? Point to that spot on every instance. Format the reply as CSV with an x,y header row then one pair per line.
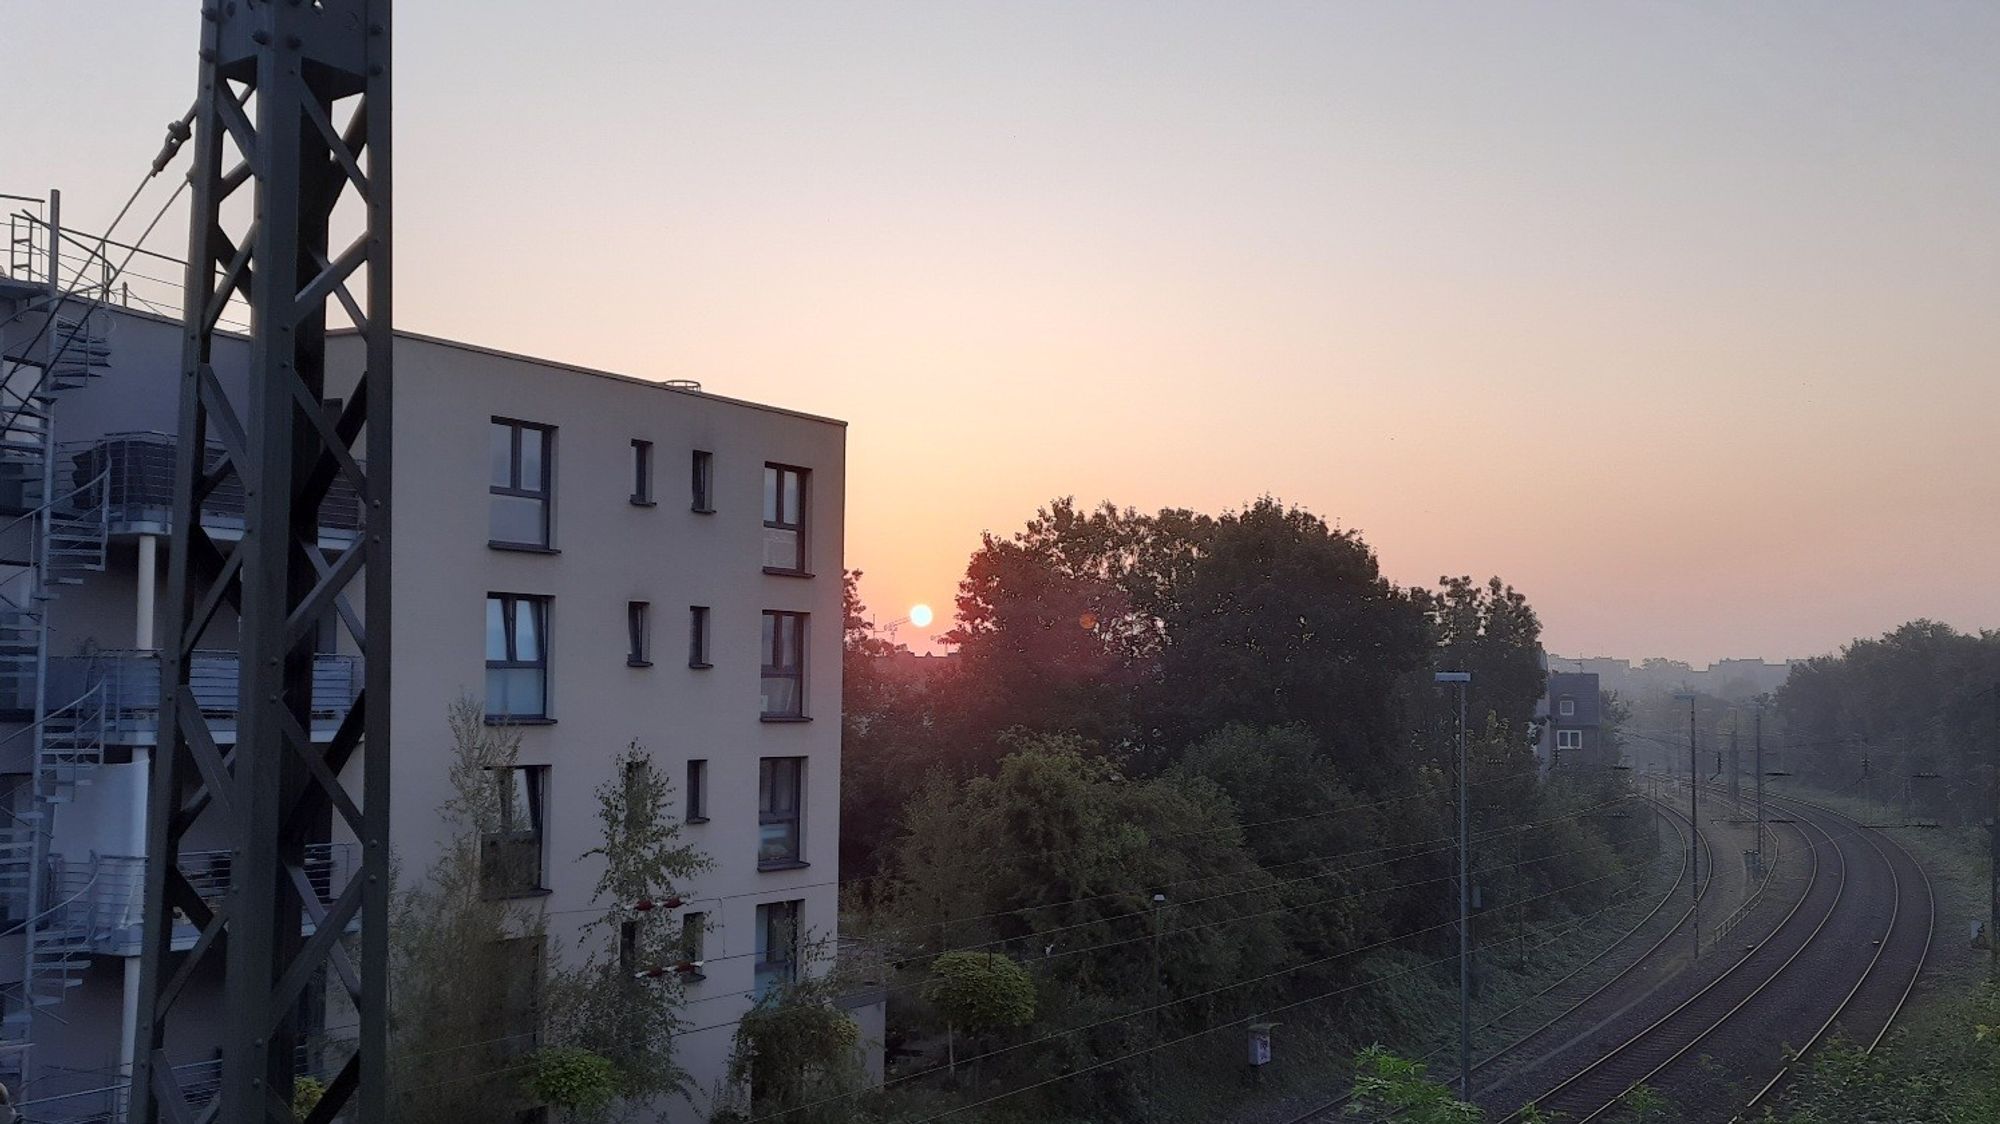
x,y
293,109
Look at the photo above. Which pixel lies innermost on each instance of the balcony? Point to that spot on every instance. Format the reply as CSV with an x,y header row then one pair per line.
x,y
130,683
108,902
139,486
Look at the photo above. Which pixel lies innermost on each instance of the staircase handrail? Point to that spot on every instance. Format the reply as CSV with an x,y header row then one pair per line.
x,y
46,370
57,713
88,883
103,477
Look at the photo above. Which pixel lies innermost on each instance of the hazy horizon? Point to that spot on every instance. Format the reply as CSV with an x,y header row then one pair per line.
x,y
1677,318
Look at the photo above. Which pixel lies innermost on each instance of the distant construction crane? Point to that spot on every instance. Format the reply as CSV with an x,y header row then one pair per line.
x,y
293,107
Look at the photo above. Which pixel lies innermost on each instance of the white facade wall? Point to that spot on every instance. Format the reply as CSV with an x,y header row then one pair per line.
x,y
610,553
607,552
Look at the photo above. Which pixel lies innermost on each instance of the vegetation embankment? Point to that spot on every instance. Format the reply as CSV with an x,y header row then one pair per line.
x,y
1191,774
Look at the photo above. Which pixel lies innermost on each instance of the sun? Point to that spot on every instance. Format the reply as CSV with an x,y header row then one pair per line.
x,y
920,615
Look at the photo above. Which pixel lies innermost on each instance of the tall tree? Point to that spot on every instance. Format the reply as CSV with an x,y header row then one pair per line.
x,y
1491,631
1284,620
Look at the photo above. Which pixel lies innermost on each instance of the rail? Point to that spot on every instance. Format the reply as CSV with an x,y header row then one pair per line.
x,y
1676,819
1601,1063
1881,947
138,470
130,682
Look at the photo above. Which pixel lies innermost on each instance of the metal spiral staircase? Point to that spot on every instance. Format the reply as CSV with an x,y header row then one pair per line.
x,y
64,524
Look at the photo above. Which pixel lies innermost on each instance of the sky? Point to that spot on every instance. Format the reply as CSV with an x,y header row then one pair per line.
x,y
1682,318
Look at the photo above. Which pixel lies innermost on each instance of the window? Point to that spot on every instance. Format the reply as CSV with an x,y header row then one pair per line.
x,y
1569,739
784,654
779,781
784,519
697,791
642,473
515,999
628,947
639,633
698,636
777,945
694,930
1566,707
510,849
517,510
704,481
517,656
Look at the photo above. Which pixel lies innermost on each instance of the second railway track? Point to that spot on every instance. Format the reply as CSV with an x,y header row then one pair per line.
x,y
1844,957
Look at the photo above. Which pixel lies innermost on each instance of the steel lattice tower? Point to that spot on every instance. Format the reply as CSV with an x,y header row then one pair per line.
x,y
293,108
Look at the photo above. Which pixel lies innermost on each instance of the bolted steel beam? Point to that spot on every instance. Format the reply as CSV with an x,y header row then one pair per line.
x,y
293,107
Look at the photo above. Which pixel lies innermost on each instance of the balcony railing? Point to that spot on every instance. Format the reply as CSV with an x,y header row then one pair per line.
x,y
110,907
130,682
138,473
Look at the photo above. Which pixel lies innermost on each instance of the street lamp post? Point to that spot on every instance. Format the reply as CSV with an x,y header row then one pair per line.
x,y
1464,681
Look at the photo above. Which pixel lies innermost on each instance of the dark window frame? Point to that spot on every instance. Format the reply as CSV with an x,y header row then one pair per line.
x,y
697,790
499,847
628,947
783,970
702,483
775,515
694,940
773,666
510,604
772,812
517,489
698,634
638,634
642,473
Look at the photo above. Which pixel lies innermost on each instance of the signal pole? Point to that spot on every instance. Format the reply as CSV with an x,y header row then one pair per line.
x,y
1694,827
1464,681
1760,786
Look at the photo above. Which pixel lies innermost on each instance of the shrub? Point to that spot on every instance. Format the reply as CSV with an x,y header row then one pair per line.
x,y
573,1079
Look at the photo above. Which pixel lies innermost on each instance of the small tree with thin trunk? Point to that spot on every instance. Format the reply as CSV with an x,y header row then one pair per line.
x,y
464,964
601,1006
976,992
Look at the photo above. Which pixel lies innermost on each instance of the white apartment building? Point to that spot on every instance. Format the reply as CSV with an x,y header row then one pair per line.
x,y
600,559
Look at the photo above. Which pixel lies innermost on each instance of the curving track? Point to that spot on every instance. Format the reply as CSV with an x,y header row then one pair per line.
x,y
1526,1041
1844,957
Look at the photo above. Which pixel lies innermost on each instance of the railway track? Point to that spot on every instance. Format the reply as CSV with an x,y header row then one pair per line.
x,y
1679,821
1869,1009
1866,916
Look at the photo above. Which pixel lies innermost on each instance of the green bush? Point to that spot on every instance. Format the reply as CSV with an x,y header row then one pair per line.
x,y
981,990
306,1092
574,1079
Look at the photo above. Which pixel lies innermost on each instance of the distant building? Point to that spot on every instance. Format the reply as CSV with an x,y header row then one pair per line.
x,y
1572,718
1736,679
917,667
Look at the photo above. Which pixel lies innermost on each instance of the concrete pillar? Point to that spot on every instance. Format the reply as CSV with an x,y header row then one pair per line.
x,y
128,1021
149,580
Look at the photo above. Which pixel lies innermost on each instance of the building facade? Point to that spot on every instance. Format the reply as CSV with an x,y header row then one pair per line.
x,y
1572,720
598,560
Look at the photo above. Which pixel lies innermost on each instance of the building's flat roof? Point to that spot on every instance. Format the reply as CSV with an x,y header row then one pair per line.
x,y
419,337
558,364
